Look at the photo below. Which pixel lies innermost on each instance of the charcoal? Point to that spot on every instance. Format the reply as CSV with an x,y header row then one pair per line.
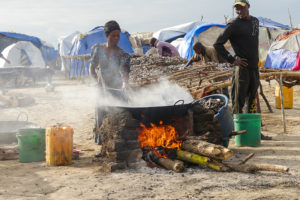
x,y
212,104
148,66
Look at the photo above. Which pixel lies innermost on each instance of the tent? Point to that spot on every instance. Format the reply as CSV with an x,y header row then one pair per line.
x,y
268,23
84,42
64,47
171,33
50,54
206,33
8,38
283,52
22,53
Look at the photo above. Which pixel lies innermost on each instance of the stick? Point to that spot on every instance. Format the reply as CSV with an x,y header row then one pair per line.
x,y
201,160
247,158
282,105
264,97
175,165
251,168
233,133
214,151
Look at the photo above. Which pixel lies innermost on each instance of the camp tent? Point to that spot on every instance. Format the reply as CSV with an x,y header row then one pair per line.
x,y
283,51
206,33
49,53
171,33
83,44
65,44
22,53
8,38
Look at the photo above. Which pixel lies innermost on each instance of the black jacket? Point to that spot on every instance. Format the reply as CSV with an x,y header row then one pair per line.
x,y
243,36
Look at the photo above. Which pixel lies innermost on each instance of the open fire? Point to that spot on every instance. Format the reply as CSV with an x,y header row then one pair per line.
x,y
158,138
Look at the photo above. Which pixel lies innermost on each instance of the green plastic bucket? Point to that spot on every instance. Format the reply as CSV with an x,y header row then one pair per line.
x,y
31,143
250,122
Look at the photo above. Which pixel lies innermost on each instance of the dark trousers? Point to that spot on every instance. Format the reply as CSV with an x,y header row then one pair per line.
x,y
245,83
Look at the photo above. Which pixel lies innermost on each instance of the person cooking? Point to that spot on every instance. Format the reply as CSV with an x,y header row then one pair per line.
x,y
112,62
110,67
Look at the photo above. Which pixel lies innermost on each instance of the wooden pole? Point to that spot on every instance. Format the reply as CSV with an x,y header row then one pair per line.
x,y
291,23
282,105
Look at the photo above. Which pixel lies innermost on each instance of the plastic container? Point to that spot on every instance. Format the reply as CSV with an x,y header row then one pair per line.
x,y
250,122
31,143
287,97
59,145
224,116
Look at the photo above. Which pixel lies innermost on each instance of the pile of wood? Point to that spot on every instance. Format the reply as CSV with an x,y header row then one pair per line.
x,y
213,156
9,153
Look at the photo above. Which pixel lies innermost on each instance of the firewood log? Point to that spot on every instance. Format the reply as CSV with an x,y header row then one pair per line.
x,y
9,154
217,152
252,168
201,160
175,165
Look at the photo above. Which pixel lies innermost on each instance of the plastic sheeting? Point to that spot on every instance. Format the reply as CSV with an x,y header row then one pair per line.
x,y
281,59
66,42
296,67
83,44
174,32
265,22
186,45
22,53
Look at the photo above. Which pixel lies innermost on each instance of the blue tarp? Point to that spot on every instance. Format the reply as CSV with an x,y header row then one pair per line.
x,y
50,55
281,59
83,46
272,24
186,46
36,41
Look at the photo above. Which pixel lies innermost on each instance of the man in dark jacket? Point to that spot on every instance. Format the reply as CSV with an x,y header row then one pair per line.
x,y
242,32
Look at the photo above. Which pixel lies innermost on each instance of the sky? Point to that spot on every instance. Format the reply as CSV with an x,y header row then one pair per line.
x,y
51,19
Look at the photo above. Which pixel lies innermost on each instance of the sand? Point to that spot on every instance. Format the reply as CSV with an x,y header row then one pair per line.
x,y
73,102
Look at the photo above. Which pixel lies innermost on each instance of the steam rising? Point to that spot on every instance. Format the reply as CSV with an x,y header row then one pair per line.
x,y
163,93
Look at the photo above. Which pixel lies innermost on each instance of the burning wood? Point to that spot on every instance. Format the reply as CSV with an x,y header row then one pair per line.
x,y
175,165
201,160
163,136
217,152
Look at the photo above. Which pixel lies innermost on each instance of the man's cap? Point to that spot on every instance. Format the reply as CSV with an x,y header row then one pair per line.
x,y
241,2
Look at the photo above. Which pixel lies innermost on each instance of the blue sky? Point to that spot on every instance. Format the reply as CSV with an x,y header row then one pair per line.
x,y
50,19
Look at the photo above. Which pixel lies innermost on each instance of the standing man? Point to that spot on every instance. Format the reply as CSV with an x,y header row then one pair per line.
x,y
242,32
164,48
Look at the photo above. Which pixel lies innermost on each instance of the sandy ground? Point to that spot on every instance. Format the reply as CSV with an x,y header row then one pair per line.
x,y
73,103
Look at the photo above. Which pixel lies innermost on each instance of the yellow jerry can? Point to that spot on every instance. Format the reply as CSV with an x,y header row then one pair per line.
x,y
287,97
59,145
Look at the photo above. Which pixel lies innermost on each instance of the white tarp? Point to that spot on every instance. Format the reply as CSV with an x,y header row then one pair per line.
x,y
65,43
175,31
22,53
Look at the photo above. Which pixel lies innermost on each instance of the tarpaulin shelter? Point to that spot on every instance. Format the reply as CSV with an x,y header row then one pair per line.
x,y
283,52
65,44
22,53
171,33
48,52
206,33
265,22
84,42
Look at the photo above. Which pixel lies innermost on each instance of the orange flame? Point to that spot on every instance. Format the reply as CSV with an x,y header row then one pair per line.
x,y
158,136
